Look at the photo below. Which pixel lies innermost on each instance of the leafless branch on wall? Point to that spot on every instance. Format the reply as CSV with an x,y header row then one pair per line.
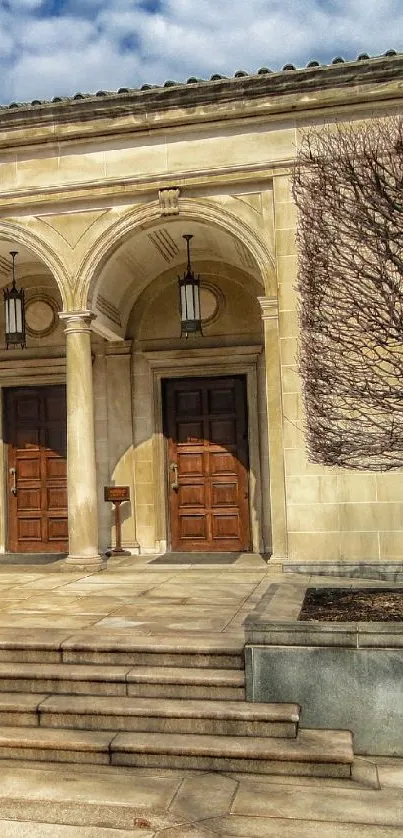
x,y
348,186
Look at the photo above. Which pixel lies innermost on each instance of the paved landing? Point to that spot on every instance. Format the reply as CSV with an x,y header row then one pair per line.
x,y
136,595
101,802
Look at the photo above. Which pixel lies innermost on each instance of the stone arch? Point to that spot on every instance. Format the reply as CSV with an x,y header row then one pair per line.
x,y
21,235
146,216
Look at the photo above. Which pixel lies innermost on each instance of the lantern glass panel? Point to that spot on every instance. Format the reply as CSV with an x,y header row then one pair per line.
x,y
13,318
18,315
183,303
190,308
196,301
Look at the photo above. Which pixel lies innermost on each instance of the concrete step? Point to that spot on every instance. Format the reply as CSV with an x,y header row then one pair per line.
x,y
121,649
181,682
316,753
20,709
64,679
81,746
31,645
142,681
211,652
121,713
220,718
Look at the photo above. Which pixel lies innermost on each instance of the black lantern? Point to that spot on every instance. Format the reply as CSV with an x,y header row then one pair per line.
x,y
14,311
189,298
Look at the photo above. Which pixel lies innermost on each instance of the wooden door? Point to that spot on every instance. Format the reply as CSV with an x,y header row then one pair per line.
x,y
206,427
35,421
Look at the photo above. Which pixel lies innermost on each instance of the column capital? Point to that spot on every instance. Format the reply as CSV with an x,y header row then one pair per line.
x,y
269,306
77,321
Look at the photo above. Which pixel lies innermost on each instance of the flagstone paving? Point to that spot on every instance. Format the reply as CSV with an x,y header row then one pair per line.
x,y
145,599
134,597
101,802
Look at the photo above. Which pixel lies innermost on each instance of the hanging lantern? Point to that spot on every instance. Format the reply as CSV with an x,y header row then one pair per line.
x,y
189,298
14,311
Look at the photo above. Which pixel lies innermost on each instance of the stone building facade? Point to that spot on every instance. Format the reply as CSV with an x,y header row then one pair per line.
x,y
96,193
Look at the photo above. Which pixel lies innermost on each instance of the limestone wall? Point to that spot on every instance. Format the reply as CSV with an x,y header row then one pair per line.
x,y
332,514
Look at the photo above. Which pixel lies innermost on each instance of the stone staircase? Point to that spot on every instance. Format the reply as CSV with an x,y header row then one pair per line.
x,y
151,702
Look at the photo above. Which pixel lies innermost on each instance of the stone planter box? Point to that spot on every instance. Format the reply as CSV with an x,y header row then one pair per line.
x,y
344,675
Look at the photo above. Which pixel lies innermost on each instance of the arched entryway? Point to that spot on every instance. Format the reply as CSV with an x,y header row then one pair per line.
x,y
145,360
33,456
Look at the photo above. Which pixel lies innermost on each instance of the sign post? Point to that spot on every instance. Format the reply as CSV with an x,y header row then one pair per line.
x,y
117,495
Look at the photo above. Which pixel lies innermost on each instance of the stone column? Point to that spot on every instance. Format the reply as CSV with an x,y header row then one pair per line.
x,y
81,468
269,306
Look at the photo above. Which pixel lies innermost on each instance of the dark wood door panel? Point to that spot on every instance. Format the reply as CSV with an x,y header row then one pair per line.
x,y
206,429
35,423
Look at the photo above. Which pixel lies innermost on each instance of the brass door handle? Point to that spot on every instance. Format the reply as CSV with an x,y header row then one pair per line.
x,y
175,483
13,472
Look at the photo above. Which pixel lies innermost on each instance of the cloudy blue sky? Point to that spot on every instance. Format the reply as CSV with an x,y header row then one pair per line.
x,y
59,47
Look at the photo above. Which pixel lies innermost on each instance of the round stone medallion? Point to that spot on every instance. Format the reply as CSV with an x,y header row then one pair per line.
x,y
208,303
40,316
211,302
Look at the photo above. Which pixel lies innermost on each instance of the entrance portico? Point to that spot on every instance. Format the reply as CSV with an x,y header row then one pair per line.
x,y
114,359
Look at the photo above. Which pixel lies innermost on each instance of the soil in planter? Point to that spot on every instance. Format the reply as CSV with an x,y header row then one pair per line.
x,y
352,605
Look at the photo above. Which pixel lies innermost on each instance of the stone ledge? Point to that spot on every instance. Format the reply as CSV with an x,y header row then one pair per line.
x,y
387,571
274,622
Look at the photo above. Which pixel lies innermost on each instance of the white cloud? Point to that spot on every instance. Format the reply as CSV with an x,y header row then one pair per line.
x,y
49,36
93,44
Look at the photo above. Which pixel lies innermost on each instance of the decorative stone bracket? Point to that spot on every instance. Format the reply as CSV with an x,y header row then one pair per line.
x,y
169,201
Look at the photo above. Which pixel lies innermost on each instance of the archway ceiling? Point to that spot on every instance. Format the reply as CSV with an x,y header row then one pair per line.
x,y
26,262
151,252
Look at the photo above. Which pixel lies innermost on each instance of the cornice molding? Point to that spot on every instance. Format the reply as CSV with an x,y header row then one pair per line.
x,y
367,80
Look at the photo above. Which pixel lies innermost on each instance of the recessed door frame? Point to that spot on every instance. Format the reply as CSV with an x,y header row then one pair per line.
x,y
237,537
198,363
45,482
23,372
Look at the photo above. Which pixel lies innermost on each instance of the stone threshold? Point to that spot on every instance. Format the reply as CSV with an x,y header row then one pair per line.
x,y
31,558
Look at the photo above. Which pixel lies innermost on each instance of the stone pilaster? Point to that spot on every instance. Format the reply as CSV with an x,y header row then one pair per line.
x,y
120,432
81,468
269,306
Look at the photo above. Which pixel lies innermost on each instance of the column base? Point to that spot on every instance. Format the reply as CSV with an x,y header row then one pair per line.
x,y
89,563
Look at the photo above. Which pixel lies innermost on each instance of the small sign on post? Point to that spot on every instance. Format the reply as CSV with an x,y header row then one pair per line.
x,y
117,495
